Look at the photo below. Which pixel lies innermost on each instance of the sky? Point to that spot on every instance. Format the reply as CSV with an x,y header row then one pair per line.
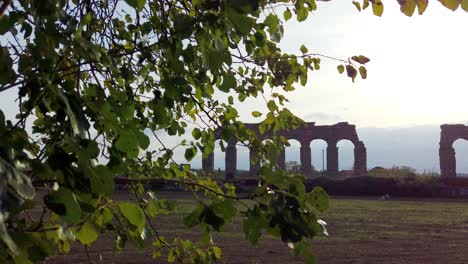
x,y
417,73
416,81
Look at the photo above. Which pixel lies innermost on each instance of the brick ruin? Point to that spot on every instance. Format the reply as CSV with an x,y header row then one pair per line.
x,y
448,135
305,135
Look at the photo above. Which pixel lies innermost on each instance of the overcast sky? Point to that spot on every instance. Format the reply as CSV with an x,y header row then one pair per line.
x,y
417,73
416,81
417,76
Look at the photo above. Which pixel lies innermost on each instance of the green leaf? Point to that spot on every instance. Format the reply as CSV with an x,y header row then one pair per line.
x,y
63,202
357,5
241,22
7,240
304,50
87,18
256,114
422,5
365,4
87,233
407,7
287,14
190,153
127,142
193,218
253,226
133,214
464,5
137,4
24,63
451,4
196,133
6,23
318,199
102,181
229,82
377,7
363,72
360,59
7,74
340,68
272,106
143,140
351,72
217,252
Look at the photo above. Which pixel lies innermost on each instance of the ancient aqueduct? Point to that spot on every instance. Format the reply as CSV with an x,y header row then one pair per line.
x,y
332,134
305,135
448,135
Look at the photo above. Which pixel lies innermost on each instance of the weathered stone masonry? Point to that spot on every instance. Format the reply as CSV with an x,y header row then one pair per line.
x,y
448,135
305,135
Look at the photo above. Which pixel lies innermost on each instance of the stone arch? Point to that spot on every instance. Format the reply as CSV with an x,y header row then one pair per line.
x,y
292,152
448,135
345,147
243,157
318,148
304,134
460,147
219,155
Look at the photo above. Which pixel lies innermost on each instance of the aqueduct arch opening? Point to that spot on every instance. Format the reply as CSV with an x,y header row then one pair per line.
x,y
448,135
305,135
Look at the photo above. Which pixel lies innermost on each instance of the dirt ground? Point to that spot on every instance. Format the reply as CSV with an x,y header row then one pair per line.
x,y
362,230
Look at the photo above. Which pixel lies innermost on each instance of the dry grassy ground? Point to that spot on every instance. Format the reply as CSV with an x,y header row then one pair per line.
x,y
362,230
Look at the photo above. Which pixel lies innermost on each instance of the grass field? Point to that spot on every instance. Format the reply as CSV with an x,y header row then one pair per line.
x,y
362,230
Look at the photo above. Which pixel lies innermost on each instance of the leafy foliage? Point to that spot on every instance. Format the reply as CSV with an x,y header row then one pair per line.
x,y
93,77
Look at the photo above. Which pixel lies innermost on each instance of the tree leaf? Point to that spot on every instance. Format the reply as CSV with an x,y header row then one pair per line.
x,y
451,4
87,234
102,181
128,143
407,7
229,82
7,74
253,226
137,4
63,202
133,214
363,72
256,114
190,153
318,199
377,7
464,5
340,68
357,5
287,14
6,23
351,71
360,59
304,50
365,4
422,5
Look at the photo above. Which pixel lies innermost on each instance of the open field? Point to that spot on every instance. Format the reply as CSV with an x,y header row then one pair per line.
x,y
362,230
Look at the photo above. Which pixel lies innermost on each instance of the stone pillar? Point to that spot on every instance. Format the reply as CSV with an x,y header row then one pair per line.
x,y
282,160
231,160
332,158
306,157
254,168
208,162
360,159
448,166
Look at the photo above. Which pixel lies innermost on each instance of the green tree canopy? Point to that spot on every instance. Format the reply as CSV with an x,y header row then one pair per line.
x,y
95,79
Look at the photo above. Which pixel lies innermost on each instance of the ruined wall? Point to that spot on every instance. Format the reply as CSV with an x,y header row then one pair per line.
x,y
305,135
448,135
